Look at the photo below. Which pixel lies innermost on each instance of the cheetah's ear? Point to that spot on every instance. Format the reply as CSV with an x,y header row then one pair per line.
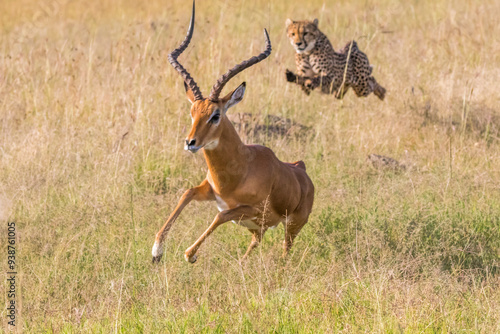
x,y
315,22
288,22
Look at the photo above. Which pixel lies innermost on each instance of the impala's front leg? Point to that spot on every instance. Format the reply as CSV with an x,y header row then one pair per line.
x,y
243,212
201,193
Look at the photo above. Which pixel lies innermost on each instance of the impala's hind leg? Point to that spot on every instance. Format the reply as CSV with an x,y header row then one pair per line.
x,y
256,238
288,242
244,212
292,229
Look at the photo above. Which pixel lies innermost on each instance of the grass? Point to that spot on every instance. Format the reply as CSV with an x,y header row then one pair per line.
x,y
92,120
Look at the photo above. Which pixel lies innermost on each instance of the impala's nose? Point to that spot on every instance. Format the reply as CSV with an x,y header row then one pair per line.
x,y
191,145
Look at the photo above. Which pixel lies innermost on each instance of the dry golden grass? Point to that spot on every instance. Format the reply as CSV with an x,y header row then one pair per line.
x,y
92,120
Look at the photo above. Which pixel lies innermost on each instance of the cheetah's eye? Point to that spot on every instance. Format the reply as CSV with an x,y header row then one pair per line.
x,y
305,34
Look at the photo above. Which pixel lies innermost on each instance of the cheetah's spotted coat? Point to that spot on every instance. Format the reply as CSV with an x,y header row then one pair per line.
x,y
319,65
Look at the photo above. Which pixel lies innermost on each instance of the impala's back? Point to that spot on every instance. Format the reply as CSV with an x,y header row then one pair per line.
x,y
292,191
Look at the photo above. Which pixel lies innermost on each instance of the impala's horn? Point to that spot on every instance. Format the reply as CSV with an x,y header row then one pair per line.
x,y
223,80
172,58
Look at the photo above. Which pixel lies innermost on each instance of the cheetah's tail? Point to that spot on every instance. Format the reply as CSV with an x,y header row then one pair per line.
x,y
379,91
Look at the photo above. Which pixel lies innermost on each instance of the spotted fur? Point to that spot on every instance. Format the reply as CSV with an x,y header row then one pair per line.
x,y
320,66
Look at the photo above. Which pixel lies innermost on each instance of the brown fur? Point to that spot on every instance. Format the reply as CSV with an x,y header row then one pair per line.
x,y
250,185
248,182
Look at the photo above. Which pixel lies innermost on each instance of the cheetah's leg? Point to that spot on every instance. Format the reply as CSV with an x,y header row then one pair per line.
x,y
365,87
341,91
332,85
378,90
299,79
290,76
328,84
307,84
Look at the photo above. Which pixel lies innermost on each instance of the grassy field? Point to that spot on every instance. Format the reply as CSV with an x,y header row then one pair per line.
x,y
92,122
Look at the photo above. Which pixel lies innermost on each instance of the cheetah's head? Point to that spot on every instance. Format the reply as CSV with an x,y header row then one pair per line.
x,y
302,34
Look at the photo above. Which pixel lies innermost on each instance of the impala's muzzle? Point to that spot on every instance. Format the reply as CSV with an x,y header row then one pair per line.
x,y
191,146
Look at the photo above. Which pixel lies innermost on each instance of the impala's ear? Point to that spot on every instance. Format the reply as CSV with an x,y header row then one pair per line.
x,y
315,22
234,97
189,93
288,22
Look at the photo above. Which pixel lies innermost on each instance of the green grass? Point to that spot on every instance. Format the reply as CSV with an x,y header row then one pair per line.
x,y
92,120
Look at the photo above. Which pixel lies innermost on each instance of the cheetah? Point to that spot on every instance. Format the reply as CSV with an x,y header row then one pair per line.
x,y
319,65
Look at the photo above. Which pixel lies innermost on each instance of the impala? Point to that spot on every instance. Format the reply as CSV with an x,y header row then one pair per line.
x,y
249,184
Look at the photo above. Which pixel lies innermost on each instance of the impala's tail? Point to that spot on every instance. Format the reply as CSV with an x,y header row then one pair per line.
x,y
300,164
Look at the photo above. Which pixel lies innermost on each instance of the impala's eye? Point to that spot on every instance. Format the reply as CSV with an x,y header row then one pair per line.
x,y
293,34
215,117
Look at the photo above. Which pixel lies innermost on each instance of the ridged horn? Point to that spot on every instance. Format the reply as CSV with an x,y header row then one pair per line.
x,y
224,79
172,58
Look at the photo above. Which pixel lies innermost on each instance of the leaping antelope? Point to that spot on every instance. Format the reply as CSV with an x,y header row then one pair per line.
x,y
249,184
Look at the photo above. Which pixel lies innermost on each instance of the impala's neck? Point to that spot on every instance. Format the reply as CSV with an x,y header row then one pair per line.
x,y
228,161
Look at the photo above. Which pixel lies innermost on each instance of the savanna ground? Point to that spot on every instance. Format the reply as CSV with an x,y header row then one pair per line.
x,y
92,122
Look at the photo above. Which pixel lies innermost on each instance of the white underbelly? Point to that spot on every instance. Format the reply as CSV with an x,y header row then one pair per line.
x,y
250,224
221,205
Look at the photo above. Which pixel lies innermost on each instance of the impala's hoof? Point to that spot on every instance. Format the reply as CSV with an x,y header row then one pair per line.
x,y
191,259
157,252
